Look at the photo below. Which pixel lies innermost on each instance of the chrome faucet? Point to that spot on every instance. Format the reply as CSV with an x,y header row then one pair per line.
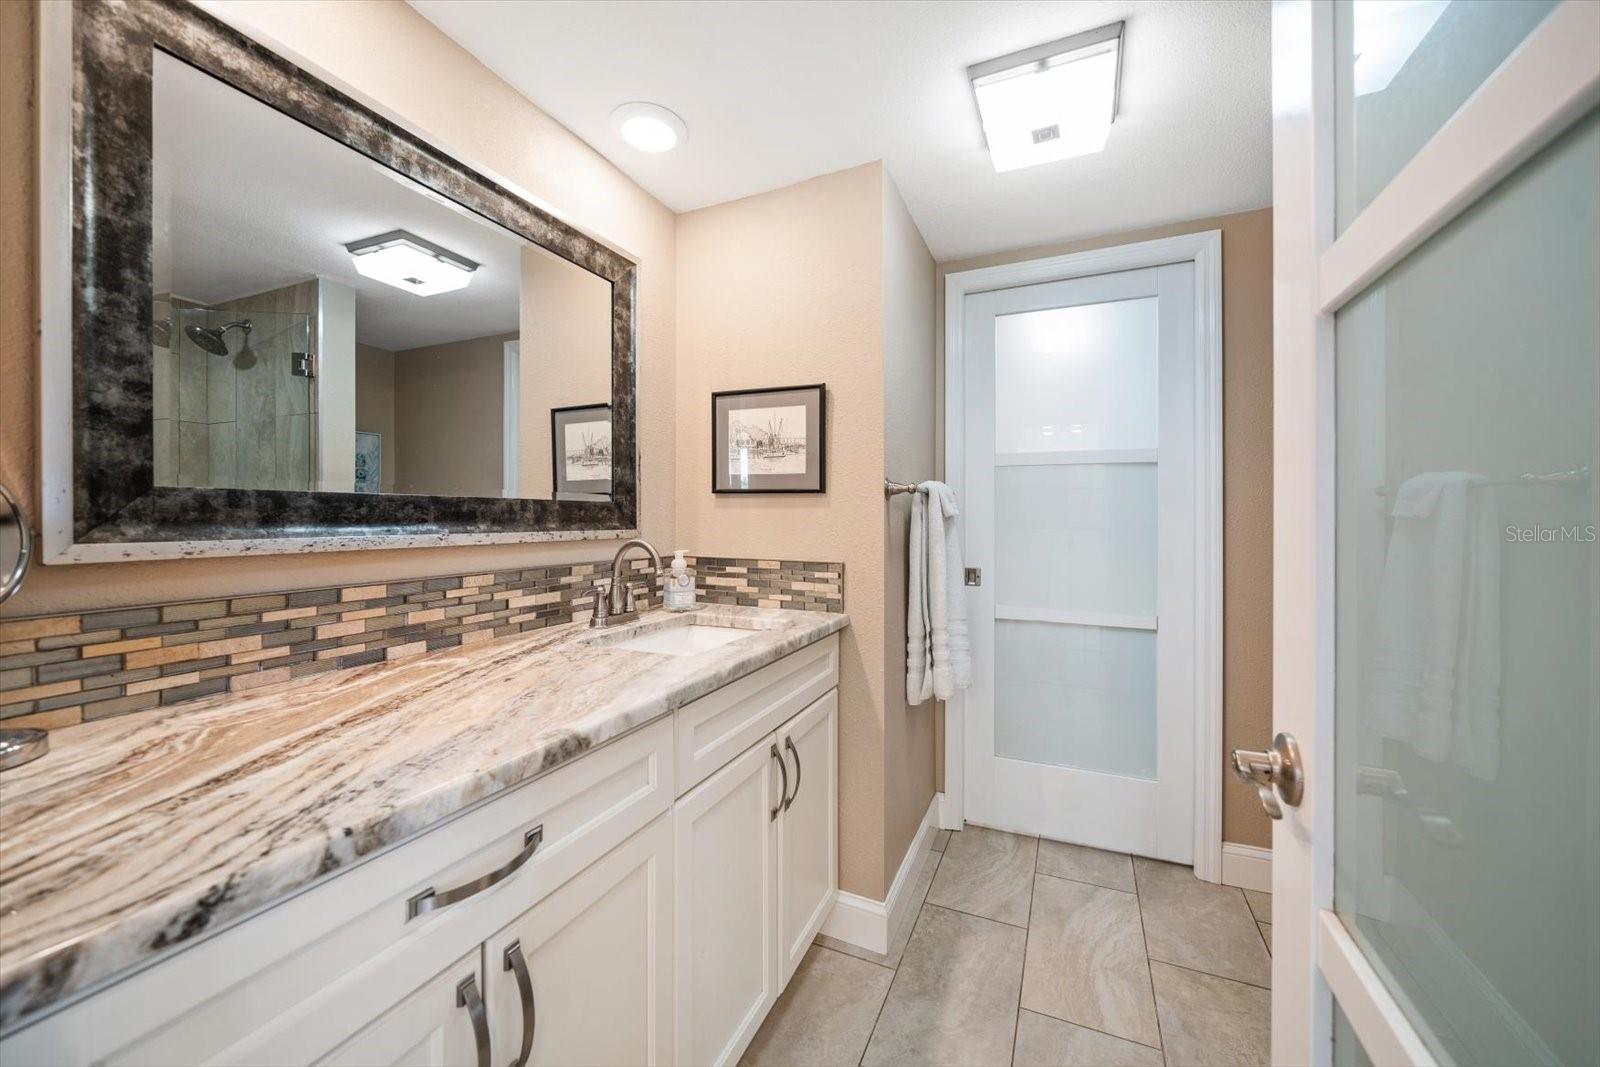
x,y
615,603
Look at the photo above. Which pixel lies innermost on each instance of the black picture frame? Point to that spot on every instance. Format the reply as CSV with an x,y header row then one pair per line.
x,y
767,430
115,500
560,418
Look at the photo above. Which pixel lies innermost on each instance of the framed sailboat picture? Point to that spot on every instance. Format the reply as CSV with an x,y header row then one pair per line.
x,y
580,451
770,440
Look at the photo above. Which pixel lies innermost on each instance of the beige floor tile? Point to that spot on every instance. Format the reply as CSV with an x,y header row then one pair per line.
x,y
825,1016
1046,1042
902,932
1266,934
1201,925
1086,961
954,998
1114,870
941,838
988,873
1211,1021
1260,904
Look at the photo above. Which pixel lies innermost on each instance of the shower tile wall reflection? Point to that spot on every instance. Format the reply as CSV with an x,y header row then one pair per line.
x,y
234,415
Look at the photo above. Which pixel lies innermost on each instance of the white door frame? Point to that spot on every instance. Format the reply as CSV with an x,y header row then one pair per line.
x,y
1552,79
1204,250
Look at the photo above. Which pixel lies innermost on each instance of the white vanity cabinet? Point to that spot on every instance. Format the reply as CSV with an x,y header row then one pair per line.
x,y
439,1025
756,857
658,893
585,975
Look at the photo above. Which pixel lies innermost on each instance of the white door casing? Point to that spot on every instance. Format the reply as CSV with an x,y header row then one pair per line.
x,y
1203,674
1547,83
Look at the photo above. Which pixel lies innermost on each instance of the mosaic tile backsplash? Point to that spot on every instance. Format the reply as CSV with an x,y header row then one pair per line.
x,y
60,670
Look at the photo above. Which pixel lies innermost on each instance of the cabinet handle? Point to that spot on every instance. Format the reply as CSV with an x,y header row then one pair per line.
x,y
515,962
784,792
788,743
467,997
428,900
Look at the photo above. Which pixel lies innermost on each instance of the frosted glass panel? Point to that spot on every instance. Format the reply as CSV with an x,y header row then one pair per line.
x,y
1067,379
1076,696
1406,67
1467,861
1077,537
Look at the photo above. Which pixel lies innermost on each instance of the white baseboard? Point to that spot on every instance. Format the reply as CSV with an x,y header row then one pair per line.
x,y
866,923
1246,866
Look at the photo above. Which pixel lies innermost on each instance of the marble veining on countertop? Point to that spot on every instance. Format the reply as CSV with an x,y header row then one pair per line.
x,y
140,833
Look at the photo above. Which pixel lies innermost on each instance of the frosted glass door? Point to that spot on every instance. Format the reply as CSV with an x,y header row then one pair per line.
x,y
1467,860
1076,416
1079,457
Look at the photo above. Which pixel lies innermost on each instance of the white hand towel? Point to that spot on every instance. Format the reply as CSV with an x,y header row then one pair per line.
x,y
1435,669
938,650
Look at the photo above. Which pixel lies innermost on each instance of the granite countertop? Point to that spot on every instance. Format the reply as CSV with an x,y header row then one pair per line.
x,y
140,833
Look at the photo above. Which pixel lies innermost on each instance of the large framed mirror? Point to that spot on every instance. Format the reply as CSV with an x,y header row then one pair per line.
x,y
277,321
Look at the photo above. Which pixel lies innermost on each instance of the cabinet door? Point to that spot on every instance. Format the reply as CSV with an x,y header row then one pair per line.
x,y
597,988
724,856
433,1027
808,841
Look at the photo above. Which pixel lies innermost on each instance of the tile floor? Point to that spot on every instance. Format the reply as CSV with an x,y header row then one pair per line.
x,y
1023,951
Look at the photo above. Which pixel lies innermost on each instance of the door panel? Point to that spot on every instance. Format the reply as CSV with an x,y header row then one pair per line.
x,y
808,839
1436,566
598,953
1080,465
1467,705
725,860
429,1028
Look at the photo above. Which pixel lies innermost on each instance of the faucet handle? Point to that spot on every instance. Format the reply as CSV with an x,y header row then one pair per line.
x,y
627,597
602,599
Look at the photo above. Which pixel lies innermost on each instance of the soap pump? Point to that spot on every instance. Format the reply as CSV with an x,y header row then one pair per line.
x,y
679,595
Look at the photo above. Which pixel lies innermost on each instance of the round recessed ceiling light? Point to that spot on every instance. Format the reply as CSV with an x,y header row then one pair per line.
x,y
649,127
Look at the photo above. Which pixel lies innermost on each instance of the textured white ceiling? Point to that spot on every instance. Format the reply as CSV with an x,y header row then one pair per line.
x,y
777,92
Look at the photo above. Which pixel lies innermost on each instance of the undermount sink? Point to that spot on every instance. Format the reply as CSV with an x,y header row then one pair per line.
x,y
682,640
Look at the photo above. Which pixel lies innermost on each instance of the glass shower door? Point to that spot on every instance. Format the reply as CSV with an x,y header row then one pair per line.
x,y
234,408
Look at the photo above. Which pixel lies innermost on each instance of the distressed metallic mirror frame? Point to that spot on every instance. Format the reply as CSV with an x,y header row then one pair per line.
x,y
101,501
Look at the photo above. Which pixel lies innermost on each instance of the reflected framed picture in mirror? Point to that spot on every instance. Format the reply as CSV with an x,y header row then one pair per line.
x,y
770,440
580,451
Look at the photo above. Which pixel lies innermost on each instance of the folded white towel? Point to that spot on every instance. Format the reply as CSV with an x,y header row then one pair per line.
x,y
1434,673
938,650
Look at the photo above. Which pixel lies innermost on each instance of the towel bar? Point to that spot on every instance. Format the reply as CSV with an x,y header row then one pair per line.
x,y
893,488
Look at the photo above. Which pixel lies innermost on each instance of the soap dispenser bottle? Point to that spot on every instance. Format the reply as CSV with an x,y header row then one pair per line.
x,y
679,584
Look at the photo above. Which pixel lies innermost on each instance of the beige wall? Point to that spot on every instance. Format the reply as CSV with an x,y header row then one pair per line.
x,y
1247,482
566,356
793,287
908,456
461,106
449,407
375,407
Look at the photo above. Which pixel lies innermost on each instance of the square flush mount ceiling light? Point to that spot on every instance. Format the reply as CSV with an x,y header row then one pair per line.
x,y
406,261
1053,101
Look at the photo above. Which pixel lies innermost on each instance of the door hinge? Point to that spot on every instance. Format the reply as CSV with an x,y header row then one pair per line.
x,y
303,364
974,576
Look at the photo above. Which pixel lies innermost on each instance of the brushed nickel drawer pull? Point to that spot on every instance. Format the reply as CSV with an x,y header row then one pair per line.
x,y
784,790
467,996
788,743
518,964
429,900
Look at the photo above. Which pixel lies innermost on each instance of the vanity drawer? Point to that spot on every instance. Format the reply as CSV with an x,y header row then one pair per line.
x,y
720,725
268,989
